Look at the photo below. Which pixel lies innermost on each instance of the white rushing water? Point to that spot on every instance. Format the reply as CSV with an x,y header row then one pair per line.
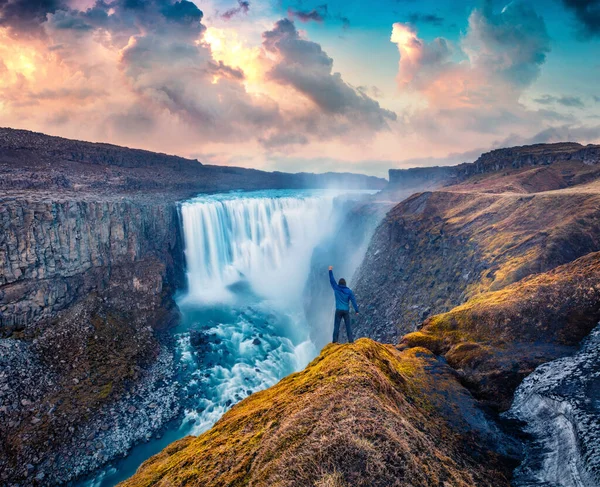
x,y
264,238
248,257
560,405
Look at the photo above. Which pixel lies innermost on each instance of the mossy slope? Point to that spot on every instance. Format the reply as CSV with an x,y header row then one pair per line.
x,y
497,338
362,414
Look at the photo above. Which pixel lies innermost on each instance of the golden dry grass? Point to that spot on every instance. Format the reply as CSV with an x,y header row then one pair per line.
x,y
498,337
361,414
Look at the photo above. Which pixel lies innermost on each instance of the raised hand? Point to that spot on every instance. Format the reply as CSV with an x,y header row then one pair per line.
x,y
330,267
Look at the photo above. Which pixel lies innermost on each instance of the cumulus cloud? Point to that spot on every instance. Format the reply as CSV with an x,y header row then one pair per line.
x,y
133,71
420,62
304,66
474,85
512,44
504,52
24,17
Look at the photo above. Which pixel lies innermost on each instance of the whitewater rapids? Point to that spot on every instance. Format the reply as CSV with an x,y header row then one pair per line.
x,y
560,405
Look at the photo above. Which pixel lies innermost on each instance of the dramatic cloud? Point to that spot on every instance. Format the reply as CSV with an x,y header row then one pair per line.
x,y
512,44
567,101
303,65
421,63
240,86
151,72
471,89
587,13
502,55
25,16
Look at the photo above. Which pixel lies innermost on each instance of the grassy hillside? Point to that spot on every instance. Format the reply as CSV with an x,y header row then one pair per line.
x,y
359,415
497,338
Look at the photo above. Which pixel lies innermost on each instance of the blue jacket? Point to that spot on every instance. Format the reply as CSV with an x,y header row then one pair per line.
x,y
343,295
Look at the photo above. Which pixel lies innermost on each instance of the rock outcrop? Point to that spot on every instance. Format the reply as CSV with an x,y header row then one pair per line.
x,y
560,405
358,415
498,338
437,249
53,253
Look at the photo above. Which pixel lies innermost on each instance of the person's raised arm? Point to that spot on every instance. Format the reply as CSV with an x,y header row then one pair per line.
x,y
353,299
331,278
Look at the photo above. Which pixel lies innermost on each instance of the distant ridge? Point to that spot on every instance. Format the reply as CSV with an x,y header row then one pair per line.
x,y
31,161
495,161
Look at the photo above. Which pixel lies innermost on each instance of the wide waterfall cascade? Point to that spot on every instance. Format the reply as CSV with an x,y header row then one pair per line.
x,y
264,240
248,258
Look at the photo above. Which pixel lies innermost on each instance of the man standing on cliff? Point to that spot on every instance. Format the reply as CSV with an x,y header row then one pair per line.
x,y
343,296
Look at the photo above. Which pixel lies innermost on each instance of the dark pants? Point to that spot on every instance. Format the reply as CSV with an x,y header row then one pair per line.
x,y
339,314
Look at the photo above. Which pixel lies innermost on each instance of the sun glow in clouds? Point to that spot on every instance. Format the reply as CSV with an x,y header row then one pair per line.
x,y
16,60
226,46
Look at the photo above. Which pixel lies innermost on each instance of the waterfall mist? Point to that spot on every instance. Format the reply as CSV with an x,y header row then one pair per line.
x,y
248,258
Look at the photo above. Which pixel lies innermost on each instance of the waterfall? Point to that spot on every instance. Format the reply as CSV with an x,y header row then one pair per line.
x,y
248,258
243,327
263,238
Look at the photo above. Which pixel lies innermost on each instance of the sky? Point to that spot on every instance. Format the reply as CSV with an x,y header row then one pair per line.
x,y
302,85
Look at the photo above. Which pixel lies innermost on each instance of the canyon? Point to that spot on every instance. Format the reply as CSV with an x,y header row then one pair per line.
x,y
475,274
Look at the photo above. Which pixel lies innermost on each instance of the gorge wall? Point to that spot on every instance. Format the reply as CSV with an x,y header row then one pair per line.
x,y
53,253
86,287
437,249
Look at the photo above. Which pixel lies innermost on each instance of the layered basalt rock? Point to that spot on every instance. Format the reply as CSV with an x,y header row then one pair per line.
x,y
86,287
53,253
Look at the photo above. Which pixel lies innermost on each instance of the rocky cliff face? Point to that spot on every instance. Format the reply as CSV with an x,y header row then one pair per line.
x,y
435,250
53,253
497,339
85,286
